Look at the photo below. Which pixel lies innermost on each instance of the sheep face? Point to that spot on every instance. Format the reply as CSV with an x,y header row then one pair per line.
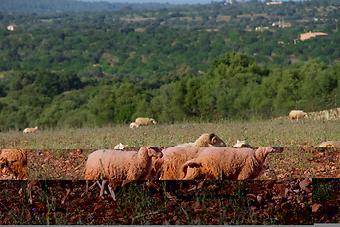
x,y
262,152
216,141
155,152
153,121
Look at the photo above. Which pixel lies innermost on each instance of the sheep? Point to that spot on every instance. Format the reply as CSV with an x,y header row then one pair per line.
x,y
241,143
206,140
168,167
227,163
120,166
15,160
297,114
133,125
142,121
335,144
30,130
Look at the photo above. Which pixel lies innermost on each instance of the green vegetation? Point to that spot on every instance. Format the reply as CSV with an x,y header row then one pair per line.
x,y
174,64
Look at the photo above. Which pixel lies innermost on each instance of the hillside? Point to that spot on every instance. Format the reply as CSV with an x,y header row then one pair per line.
x,y
184,63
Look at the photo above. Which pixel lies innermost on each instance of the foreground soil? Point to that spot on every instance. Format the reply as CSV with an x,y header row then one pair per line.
x,y
161,202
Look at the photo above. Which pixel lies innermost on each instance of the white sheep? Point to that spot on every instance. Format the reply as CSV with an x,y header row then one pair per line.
x,y
335,144
297,114
206,140
30,130
227,163
120,166
242,143
15,160
133,125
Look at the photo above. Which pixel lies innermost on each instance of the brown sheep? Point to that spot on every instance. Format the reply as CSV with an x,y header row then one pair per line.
x,y
120,166
30,130
227,163
206,140
297,114
15,160
168,167
335,144
142,121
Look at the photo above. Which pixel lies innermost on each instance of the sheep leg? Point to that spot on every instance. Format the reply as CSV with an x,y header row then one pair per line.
x,y
112,192
102,187
30,197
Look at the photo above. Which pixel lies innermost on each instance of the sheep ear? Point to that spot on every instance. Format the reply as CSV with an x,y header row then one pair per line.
x,y
212,136
193,164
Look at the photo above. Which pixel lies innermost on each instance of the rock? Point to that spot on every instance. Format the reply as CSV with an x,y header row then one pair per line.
x,y
304,185
315,207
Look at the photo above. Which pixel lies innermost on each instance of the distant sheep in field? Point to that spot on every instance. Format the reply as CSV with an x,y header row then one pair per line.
x,y
227,163
120,166
205,140
297,114
30,130
133,125
241,143
142,121
335,144
15,160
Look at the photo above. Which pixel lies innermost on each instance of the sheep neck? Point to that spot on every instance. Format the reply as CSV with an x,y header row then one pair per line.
x,y
261,156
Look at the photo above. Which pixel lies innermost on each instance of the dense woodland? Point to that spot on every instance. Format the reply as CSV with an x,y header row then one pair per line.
x,y
83,67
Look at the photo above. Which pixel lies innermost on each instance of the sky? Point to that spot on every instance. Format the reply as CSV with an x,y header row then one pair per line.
x,y
158,1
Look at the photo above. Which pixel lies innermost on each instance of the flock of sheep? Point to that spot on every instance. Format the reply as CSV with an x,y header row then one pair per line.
x,y
206,158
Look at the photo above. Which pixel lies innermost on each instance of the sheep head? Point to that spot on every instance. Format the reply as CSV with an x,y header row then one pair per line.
x,y
150,152
262,152
209,140
133,125
216,141
155,152
153,121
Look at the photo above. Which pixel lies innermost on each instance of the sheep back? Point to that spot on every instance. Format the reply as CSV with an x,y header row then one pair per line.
x,y
15,160
223,163
173,158
297,114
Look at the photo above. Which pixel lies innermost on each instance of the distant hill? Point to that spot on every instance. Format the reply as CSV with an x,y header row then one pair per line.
x,y
59,6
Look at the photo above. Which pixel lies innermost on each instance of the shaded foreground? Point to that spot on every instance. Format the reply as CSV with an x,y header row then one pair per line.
x,y
162,202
